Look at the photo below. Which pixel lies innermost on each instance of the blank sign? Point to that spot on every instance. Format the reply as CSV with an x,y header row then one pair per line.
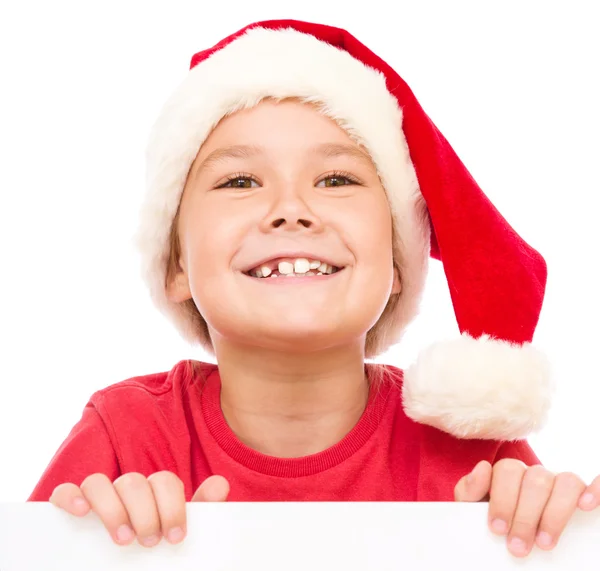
x,y
290,537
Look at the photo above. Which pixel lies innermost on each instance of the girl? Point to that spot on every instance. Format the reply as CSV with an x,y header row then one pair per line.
x,y
296,190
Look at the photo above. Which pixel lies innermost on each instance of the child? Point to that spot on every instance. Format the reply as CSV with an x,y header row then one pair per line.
x,y
296,192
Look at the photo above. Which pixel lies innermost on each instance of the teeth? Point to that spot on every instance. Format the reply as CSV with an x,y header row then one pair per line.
x,y
285,268
301,266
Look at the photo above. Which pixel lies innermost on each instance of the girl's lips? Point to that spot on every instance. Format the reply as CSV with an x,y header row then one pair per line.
x,y
273,262
293,279
297,267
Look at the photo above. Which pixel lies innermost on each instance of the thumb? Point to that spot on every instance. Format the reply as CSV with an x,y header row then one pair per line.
x,y
213,489
474,487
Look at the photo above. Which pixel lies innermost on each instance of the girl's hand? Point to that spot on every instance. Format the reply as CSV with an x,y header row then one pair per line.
x,y
528,505
136,506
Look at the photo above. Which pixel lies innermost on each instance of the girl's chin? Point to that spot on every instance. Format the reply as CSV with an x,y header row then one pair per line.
x,y
301,339
299,334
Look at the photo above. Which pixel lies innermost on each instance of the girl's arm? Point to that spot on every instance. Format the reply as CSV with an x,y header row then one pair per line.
x,y
87,449
519,450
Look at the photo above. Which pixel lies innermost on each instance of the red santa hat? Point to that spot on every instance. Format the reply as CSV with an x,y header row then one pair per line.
x,y
489,383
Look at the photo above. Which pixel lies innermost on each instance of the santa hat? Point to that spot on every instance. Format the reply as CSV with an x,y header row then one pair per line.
x,y
489,383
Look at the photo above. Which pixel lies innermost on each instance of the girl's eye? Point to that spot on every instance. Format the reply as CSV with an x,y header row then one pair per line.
x,y
336,180
239,182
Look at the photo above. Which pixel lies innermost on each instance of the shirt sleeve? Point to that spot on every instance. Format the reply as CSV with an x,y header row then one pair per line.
x,y
87,450
519,450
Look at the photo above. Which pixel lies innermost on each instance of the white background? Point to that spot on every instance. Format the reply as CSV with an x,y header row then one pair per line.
x,y
514,86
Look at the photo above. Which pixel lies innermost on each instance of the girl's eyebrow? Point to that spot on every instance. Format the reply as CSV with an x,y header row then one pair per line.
x,y
231,152
327,150
333,150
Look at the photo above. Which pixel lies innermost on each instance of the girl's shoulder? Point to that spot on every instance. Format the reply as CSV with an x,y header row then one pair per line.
x,y
177,381
385,375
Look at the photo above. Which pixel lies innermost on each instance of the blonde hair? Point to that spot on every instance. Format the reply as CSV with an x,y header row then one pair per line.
x,y
376,336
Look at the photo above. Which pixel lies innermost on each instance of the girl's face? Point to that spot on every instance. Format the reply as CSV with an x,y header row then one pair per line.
x,y
274,189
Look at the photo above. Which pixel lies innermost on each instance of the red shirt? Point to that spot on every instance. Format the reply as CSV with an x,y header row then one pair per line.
x,y
173,421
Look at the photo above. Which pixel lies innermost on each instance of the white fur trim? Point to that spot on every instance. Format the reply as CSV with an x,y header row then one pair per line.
x,y
479,388
280,64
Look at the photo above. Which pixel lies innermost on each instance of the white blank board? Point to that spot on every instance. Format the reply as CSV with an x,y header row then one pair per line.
x,y
289,537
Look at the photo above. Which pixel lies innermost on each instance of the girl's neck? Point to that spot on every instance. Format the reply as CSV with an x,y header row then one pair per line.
x,y
292,405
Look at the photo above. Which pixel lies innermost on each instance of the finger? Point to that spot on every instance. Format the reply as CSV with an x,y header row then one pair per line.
x,y
68,497
169,494
590,499
536,490
504,494
213,489
474,487
137,497
100,493
560,508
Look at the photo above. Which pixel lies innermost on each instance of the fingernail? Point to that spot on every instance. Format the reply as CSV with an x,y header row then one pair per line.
x,y
79,503
499,526
471,476
544,539
150,540
125,533
588,500
517,546
175,535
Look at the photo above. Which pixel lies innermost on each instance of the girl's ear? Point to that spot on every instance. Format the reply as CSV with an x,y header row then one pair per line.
x,y
397,285
178,288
